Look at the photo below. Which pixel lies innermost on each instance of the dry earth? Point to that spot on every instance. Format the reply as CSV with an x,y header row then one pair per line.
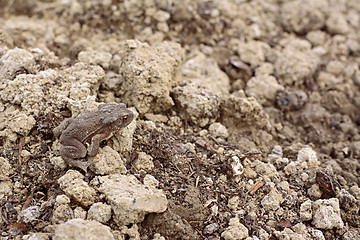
x,y
247,119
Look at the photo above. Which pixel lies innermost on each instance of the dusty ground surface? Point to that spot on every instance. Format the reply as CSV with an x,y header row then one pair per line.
x,y
247,119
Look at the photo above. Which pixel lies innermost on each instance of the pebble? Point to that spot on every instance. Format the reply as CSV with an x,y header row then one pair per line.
x,y
211,228
236,230
79,229
99,212
75,187
217,130
326,214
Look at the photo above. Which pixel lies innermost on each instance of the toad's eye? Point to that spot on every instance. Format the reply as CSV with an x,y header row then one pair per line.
x,y
125,118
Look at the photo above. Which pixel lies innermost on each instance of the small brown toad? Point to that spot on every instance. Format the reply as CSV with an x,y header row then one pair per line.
x,y
90,129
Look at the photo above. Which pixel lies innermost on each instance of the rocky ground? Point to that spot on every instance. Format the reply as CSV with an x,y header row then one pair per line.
x,y
247,119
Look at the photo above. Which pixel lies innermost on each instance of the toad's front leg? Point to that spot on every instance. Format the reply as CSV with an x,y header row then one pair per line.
x,y
95,143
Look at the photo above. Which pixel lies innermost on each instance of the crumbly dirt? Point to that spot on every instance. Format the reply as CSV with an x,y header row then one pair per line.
x,y
278,81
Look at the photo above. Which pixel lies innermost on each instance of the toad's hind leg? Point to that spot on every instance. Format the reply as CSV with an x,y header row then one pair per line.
x,y
75,151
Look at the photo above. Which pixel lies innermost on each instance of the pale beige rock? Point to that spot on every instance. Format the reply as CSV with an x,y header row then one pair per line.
x,y
148,74
150,181
303,16
272,200
326,214
336,23
79,229
21,123
107,161
5,169
129,199
37,236
5,188
306,211
15,60
242,112
201,70
95,57
144,162
100,212
217,130
75,187
79,212
236,230
295,62
77,83
253,52
198,103
316,38
62,213
263,88
308,155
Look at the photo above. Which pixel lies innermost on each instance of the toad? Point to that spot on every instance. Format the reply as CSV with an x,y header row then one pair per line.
x,y
84,134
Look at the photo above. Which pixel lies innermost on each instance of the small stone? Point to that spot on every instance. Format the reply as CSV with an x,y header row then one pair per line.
x,y
256,85
291,168
29,214
144,162
236,166
62,199
37,236
101,58
62,213
265,169
22,123
314,191
5,188
236,230
163,27
211,228
107,161
150,181
355,191
277,150
75,187
79,212
157,236
308,155
233,203
190,147
129,199
327,214
79,229
306,211
203,133
252,52
217,130
316,38
156,117
272,200
99,212
296,62
337,23
58,162
197,103
347,201
161,16
14,61
5,169
317,234
220,150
